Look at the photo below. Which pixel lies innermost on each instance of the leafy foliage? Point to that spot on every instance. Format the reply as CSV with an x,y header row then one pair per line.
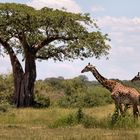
x,y
76,92
57,34
6,89
41,101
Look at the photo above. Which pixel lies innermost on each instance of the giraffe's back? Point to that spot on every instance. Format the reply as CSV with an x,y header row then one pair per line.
x,y
126,95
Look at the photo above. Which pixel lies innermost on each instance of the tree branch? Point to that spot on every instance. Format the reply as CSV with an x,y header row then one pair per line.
x,y
55,53
14,60
48,57
23,40
6,46
51,39
43,57
26,46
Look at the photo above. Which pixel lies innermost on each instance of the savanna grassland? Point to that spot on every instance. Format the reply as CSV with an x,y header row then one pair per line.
x,y
65,109
52,124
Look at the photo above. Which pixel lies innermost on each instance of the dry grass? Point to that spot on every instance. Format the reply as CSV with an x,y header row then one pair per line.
x,y
72,133
100,112
33,124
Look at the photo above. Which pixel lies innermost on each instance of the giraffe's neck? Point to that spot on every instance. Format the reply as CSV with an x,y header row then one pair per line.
x,y
104,81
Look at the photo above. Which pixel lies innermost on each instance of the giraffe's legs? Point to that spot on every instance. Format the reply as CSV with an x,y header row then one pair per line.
x,y
135,111
118,105
119,108
126,106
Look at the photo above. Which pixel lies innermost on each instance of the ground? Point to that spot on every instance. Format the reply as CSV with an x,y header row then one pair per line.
x,y
34,124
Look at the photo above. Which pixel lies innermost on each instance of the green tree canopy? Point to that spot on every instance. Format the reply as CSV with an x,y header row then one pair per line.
x,y
52,33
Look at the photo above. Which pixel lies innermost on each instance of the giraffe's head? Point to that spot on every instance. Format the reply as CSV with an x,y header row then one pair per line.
x,y
88,68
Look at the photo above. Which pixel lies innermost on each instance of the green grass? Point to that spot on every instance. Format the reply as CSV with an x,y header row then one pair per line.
x,y
36,124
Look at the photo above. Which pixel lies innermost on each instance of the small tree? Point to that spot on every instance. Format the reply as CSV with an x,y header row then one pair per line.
x,y
44,34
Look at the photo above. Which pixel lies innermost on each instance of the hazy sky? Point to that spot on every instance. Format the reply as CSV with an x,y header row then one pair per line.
x,y
119,19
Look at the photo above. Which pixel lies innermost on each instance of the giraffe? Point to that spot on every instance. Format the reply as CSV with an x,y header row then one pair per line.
x,y
120,93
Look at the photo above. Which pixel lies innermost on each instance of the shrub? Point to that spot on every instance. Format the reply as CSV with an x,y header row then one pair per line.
x,y
126,122
41,101
69,119
120,121
92,96
90,122
96,96
6,89
79,115
4,107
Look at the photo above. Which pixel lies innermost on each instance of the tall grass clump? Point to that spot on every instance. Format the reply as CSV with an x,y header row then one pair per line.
x,y
5,107
63,121
125,122
70,119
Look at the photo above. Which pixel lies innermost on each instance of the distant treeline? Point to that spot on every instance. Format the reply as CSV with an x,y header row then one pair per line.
x,y
75,92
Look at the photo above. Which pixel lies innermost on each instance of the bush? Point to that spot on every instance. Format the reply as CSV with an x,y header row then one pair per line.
x,y
5,107
70,101
70,119
67,120
90,122
79,115
96,96
75,92
41,101
92,96
6,89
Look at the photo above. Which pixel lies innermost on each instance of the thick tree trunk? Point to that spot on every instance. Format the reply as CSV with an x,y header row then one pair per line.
x,y
29,80
18,86
23,80
24,83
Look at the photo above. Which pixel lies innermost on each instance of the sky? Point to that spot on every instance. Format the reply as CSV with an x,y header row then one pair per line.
x,y
119,19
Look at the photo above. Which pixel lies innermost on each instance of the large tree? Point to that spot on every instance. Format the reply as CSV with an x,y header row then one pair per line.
x,y
44,34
